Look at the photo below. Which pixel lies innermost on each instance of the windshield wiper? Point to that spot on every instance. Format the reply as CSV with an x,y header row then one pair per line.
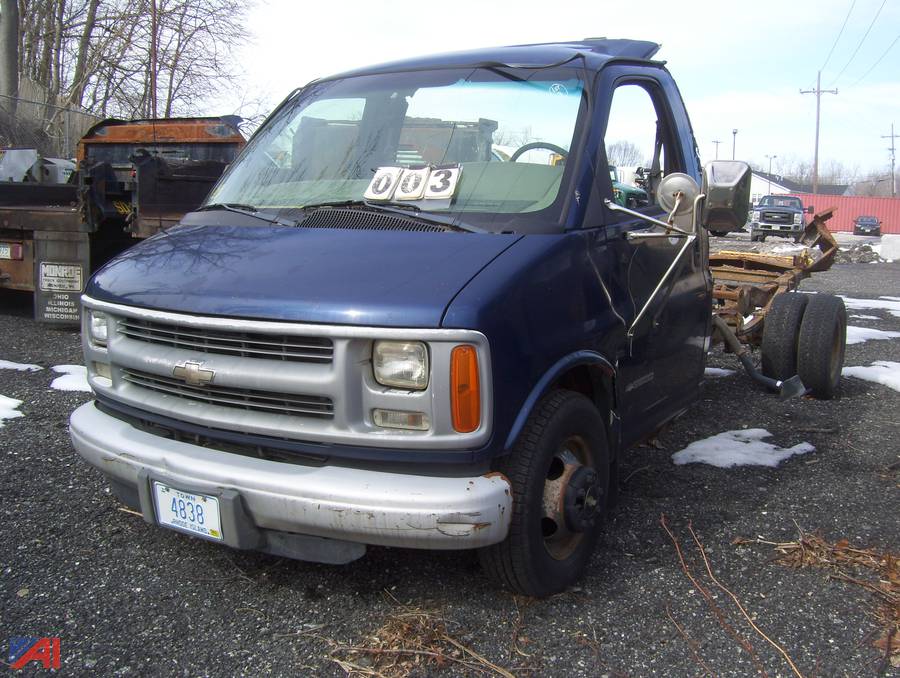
x,y
363,203
397,208
247,210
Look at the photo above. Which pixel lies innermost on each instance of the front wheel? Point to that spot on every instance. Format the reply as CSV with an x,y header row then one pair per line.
x,y
559,470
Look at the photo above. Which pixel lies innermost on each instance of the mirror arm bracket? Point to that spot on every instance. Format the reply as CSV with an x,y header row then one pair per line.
x,y
656,222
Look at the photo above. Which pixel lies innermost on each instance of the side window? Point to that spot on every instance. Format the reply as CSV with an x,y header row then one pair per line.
x,y
638,138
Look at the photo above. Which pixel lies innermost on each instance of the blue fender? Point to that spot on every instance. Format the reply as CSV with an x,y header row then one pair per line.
x,y
543,386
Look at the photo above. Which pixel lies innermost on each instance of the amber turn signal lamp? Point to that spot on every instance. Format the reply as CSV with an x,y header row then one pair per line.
x,y
465,392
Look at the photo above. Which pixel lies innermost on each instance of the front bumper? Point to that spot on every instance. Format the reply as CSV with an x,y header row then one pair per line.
x,y
273,499
777,229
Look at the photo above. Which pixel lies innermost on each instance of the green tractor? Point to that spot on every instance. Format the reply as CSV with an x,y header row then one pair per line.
x,y
625,194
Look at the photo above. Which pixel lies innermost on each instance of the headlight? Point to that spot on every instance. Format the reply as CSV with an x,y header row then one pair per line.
x,y
401,364
798,218
756,216
97,326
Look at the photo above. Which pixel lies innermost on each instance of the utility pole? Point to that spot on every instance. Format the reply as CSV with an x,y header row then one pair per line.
x,y
717,142
733,142
818,91
893,150
771,158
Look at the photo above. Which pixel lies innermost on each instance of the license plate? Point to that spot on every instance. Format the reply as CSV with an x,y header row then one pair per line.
x,y
5,251
188,512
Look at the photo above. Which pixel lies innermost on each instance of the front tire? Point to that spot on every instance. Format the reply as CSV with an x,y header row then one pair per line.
x,y
559,470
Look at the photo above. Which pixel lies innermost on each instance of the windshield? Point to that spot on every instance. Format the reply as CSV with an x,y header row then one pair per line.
x,y
475,145
778,201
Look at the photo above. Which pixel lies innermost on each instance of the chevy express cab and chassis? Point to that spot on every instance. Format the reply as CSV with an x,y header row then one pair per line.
x,y
378,331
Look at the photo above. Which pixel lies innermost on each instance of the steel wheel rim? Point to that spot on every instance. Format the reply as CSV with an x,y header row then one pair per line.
x,y
573,454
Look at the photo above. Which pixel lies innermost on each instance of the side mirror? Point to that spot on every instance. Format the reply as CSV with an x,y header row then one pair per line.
x,y
726,184
673,184
810,209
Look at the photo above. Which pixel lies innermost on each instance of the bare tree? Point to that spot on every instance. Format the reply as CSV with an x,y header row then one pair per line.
x,y
800,170
130,58
514,138
9,56
624,154
877,183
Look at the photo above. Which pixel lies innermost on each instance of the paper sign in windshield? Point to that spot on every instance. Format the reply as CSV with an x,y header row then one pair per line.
x,y
384,183
399,183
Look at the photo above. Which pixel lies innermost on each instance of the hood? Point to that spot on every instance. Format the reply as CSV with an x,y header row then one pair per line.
x,y
349,277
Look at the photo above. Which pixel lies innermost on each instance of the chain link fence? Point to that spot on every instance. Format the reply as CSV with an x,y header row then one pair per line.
x,y
53,130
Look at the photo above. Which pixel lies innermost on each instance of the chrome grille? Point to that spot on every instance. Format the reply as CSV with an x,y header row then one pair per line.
x,y
247,344
240,398
778,217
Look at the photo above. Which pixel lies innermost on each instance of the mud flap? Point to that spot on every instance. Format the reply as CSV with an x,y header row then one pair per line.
x,y
61,268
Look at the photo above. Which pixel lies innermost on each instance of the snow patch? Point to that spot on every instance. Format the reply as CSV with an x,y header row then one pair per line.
x,y
857,335
890,304
9,409
881,372
19,367
866,317
74,378
715,372
738,448
889,247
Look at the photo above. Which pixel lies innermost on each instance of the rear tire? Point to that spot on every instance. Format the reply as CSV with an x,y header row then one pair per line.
x,y
551,536
823,341
781,334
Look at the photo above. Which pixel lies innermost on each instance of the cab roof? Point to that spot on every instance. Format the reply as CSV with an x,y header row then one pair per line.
x,y
595,51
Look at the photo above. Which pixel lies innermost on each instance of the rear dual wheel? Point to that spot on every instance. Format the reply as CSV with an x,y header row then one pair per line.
x,y
821,345
559,471
805,335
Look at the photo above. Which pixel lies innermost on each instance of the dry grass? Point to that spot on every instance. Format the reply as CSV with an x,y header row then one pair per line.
x,y
872,569
726,619
411,641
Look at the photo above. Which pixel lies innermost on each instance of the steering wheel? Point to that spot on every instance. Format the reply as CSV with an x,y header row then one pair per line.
x,y
521,150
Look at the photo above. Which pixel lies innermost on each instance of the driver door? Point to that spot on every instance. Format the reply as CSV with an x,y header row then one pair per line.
x,y
661,366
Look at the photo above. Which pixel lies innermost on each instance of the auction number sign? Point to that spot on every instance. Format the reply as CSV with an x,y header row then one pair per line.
x,y
399,183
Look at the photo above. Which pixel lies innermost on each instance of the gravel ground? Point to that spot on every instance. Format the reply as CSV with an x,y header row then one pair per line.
x,y
128,599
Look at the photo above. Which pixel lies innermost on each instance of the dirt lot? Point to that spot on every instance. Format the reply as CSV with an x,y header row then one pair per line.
x,y
128,599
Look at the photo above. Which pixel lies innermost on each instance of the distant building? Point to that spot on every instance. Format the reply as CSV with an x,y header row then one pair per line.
x,y
763,183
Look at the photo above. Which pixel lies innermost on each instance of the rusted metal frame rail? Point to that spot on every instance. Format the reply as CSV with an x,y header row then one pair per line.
x,y
746,283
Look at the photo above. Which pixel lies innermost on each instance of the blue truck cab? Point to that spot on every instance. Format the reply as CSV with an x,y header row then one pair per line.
x,y
381,330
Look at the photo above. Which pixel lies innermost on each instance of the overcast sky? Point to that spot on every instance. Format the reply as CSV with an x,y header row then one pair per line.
x,y
738,64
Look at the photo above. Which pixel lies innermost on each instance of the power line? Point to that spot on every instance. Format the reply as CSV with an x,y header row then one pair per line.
x,y
840,33
861,41
872,67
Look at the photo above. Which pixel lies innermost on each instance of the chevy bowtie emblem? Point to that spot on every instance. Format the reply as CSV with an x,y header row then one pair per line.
x,y
193,373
